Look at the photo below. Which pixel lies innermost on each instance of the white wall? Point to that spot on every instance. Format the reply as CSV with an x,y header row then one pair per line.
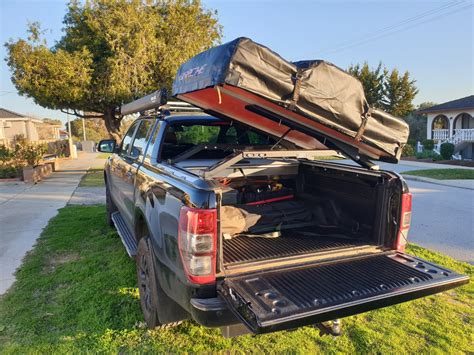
x,y
451,115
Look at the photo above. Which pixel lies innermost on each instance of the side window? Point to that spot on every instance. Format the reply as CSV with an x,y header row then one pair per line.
x,y
149,152
127,139
141,139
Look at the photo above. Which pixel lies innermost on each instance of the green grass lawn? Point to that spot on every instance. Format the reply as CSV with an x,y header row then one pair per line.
x,y
93,178
76,292
443,174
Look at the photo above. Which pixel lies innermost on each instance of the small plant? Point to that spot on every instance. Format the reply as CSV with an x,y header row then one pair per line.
x,y
447,150
408,151
428,144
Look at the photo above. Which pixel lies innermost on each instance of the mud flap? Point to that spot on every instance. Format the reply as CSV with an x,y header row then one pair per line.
x,y
309,294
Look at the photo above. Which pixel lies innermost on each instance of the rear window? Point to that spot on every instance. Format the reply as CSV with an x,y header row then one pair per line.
x,y
180,137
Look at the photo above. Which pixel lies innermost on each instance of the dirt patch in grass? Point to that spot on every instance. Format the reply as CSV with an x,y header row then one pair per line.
x,y
90,304
64,258
93,178
60,259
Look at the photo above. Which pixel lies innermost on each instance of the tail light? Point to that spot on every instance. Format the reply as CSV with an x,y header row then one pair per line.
x,y
405,220
197,238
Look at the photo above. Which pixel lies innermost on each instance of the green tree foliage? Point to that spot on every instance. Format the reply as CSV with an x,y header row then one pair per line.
x,y
52,121
95,129
400,91
372,80
417,122
386,89
112,51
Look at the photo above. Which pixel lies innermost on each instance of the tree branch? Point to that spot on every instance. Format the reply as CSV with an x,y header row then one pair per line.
x,y
75,113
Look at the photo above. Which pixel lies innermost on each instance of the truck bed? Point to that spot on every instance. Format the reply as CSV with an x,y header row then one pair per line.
x,y
248,249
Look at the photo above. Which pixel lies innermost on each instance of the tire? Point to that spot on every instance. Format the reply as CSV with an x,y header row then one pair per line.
x,y
109,206
148,286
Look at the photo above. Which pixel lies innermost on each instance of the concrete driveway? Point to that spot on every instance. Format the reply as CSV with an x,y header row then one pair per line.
x,y
26,209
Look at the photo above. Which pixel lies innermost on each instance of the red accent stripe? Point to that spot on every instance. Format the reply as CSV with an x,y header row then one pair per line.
x,y
270,200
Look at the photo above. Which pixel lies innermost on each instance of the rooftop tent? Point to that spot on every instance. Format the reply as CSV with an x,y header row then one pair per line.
x,y
307,100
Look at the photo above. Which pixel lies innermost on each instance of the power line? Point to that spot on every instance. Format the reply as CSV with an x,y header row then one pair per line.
x,y
385,31
410,19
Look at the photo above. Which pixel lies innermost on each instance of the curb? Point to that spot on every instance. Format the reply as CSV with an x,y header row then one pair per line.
x,y
435,182
432,165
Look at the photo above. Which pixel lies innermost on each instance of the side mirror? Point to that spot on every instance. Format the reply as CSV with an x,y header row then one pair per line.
x,y
107,146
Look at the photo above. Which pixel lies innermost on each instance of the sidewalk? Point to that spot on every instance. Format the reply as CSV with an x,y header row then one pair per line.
x,y
26,209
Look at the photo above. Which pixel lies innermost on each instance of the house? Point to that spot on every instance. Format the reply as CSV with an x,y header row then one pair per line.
x,y
13,124
452,122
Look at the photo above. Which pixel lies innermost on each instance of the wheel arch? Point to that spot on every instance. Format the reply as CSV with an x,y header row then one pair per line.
x,y
141,228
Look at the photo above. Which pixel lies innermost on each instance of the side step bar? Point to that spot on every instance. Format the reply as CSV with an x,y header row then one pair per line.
x,y
128,240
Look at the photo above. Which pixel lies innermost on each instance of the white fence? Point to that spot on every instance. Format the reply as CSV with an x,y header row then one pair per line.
x,y
461,135
440,134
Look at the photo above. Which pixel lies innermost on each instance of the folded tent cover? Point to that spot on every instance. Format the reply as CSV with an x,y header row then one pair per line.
x,y
316,96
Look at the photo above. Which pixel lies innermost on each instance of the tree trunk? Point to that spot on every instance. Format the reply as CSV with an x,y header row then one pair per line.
x,y
112,123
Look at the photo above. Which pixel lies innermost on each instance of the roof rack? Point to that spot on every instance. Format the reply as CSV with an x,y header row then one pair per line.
x,y
156,102
179,106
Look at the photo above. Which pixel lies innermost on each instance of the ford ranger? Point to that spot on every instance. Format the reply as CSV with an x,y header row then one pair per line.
x,y
234,221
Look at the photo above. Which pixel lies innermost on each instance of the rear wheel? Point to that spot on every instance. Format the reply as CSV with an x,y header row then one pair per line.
x,y
148,286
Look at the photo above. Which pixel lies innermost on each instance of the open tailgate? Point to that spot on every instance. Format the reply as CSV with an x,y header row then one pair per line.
x,y
302,101
310,294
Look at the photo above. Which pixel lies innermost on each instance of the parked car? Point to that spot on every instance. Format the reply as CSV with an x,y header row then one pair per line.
x,y
236,226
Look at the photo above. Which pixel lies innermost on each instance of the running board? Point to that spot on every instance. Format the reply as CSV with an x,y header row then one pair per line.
x,y
128,240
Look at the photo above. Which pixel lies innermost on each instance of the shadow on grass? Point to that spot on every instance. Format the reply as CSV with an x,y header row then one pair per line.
x,y
76,292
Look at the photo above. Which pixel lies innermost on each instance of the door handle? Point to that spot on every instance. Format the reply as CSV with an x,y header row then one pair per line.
x,y
129,173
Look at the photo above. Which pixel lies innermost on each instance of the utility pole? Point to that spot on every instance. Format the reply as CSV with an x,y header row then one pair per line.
x,y
72,148
68,126
84,129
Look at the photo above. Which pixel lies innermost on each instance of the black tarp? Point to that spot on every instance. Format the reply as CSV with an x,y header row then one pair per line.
x,y
315,89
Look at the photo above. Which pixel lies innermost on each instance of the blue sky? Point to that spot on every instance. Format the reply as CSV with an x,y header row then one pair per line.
x,y
433,39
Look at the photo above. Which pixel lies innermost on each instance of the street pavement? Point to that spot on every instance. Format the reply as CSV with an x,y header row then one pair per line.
x,y
26,209
442,219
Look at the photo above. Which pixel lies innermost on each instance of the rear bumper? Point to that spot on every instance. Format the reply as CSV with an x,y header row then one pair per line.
x,y
212,312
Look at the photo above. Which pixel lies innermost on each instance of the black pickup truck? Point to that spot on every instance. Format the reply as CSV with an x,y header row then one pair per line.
x,y
232,223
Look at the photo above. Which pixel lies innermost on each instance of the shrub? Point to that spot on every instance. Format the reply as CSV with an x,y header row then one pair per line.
x,y
428,144
408,151
32,153
9,167
9,172
447,150
6,155
429,154
60,148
